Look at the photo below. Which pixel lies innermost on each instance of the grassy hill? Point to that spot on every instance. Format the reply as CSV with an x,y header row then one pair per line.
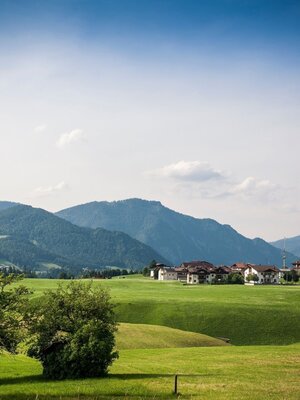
x,y
176,236
31,236
246,315
220,373
142,336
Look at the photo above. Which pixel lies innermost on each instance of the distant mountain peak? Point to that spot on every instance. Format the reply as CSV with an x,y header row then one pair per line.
x,y
178,237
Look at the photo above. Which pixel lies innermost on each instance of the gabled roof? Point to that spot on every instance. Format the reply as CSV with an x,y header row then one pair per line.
x,y
194,264
265,268
240,265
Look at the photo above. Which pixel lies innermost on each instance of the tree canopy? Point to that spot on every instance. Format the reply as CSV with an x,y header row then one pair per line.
x,y
13,305
73,332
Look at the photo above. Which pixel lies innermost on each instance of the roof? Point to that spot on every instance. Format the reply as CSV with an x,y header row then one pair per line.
x,y
240,265
197,264
265,268
296,262
168,269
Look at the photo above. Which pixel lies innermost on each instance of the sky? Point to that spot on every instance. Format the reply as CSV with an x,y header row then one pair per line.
x,y
192,103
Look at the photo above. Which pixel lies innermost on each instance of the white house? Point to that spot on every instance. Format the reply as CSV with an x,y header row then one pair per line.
x,y
167,274
266,274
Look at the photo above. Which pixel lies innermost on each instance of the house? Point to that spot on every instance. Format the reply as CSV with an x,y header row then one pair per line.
x,y
181,273
199,275
221,274
167,274
265,274
239,268
154,270
197,272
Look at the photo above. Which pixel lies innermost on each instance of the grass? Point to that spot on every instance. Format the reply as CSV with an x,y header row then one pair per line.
x,y
223,373
248,315
140,336
151,354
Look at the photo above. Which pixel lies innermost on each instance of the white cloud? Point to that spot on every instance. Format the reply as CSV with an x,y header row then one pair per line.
x,y
253,187
195,171
48,190
67,138
40,128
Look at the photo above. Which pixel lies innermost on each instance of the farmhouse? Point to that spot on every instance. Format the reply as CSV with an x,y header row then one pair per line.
x,y
167,274
199,275
154,270
265,274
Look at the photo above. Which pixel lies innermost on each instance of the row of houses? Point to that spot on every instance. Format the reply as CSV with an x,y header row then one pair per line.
x,y
197,272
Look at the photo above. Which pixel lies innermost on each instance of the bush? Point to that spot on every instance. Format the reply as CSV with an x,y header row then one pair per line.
x,y
13,305
74,332
235,278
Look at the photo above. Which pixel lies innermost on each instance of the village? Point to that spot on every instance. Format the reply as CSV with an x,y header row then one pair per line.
x,y
204,272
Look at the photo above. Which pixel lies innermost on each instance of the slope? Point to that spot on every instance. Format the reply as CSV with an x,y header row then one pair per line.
x,y
176,236
80,247
155,337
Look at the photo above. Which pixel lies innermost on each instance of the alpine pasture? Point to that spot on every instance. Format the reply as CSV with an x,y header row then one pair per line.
x,y
261,362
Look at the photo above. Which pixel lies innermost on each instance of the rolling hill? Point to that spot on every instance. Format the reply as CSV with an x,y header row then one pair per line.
x,y
291,244
31,236
176,236
154,337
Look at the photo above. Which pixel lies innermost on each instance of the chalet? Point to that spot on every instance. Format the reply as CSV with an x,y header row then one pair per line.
x,y
266,274
239,268
199,275
199,272
154,270
221,274
167,274
181,273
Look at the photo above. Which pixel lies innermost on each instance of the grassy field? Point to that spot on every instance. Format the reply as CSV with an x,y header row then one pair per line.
x,y
140,336
247,315
151,353
223,373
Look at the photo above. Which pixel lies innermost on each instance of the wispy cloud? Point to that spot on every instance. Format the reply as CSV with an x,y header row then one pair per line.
x,y
48,190
40,128
76,135
194,171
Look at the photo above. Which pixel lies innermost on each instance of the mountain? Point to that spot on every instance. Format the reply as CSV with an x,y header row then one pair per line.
x,y
6,204
176,236
30,236
291,244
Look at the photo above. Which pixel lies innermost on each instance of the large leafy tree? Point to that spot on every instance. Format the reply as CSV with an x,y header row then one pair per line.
x,y
74,332
13,306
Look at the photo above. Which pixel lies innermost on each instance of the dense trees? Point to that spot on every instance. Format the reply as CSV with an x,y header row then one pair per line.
x,y
73,331
13,306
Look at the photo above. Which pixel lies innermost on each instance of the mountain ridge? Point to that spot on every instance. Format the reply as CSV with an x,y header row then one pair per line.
x,y
176,236
72,245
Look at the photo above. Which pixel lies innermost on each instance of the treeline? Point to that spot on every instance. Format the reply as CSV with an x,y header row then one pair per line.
x,y
106,273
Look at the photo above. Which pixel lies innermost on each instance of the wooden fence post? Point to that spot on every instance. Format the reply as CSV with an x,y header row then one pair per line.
x,y
175,384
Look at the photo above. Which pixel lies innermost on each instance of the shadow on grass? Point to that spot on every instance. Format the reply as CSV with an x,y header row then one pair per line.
x,y
114,395
41,379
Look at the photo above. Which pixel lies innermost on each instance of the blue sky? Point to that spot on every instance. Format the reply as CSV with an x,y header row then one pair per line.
x,y
194,103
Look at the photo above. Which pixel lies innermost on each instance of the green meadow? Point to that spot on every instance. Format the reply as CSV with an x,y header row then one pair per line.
x,y
247,315
168,328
